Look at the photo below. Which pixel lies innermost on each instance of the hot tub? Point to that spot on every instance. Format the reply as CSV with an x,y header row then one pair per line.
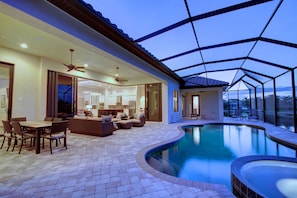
x,y
264,176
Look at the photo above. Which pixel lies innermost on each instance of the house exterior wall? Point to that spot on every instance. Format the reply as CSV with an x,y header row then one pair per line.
x,y
29,95
211,102
30,85
36,67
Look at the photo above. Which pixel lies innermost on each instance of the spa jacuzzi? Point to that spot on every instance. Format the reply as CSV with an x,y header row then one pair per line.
x,y
264,176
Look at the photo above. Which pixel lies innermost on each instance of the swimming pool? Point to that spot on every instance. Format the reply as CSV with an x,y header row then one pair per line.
x,y
206,152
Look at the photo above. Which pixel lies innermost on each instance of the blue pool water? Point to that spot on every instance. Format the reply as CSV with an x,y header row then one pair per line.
x,y
206,152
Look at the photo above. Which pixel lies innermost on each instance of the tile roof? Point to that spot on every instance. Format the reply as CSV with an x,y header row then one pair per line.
x,y
199,81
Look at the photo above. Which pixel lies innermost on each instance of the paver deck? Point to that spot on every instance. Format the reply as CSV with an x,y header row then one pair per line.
x,y
112,166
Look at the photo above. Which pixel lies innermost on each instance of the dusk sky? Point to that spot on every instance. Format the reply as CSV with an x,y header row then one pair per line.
x,y
140,18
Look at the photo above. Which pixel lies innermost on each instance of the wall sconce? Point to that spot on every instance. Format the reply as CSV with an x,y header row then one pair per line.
x,y
117,72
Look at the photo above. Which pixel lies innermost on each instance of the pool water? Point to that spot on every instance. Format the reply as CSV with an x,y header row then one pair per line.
x,y
273,178
206,152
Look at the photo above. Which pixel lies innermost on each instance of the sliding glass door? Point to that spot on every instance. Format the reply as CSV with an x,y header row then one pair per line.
x,y
61,99
195,105
6,83
153,102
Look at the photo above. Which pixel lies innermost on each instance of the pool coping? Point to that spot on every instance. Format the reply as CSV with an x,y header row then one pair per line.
x,y
280,135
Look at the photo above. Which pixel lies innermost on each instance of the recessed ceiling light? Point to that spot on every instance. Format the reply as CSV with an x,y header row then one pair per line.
x,y
24,45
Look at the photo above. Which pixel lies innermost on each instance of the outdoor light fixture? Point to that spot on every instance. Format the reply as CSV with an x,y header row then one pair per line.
x,y
117,73
24,45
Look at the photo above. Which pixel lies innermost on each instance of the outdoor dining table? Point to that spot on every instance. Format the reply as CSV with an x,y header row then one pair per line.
x,y
38,126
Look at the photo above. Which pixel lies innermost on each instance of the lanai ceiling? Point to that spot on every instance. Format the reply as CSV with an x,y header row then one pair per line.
x,y
234,41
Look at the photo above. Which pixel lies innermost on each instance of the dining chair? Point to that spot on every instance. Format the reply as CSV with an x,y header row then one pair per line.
x,y
48,118
57,119
7,133
57,131
21,135
19,119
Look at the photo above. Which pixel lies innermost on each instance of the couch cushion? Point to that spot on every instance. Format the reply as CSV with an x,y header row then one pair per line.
x,y
106,118
138,115
121,115
94,118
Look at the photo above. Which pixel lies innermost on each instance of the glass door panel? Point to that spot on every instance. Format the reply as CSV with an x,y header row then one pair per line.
x,y
195,105
61,95
153,102
6,79
65,96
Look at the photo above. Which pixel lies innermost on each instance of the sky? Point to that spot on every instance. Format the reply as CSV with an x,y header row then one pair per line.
x,y
140,18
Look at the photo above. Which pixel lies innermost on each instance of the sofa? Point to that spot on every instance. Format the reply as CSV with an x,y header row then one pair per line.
x,y
91,126
138,120
124,122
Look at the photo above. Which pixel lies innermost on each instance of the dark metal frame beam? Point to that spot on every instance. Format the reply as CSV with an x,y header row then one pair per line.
x,y
246,75
199,73
263,103
268,63
254,79
203,16
211,47
275,103
261,74
287,44
294,100
235,59
210,62
278,42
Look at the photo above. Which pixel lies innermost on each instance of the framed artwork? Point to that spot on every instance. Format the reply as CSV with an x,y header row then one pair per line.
x,y
2,101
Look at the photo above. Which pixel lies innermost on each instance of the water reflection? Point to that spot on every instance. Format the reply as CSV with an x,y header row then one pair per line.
x,y
205,153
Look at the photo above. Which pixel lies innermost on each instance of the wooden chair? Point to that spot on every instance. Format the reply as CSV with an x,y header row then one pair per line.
x,y
57,132
21,135
7,133
19,119
48,119
57,119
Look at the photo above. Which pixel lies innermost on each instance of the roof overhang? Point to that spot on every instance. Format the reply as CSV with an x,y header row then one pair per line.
x,y
87,15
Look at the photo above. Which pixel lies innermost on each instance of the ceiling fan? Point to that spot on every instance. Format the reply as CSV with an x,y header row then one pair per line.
x,y
117,78
71,66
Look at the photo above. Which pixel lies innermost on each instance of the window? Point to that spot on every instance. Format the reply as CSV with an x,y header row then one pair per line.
x,y
195,105
153,102
175,100
6,85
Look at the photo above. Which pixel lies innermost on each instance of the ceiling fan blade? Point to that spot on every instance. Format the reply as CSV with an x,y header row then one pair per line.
x,y
121,80
67,65
71,66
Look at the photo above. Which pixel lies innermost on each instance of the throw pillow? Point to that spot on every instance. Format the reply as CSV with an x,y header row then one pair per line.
x,y
106,118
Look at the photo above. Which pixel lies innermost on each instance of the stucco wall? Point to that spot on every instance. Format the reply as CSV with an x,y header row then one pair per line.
x,y
211,103
27,99
173,116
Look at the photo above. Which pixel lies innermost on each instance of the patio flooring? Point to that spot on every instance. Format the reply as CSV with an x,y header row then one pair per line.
x,y
112,166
